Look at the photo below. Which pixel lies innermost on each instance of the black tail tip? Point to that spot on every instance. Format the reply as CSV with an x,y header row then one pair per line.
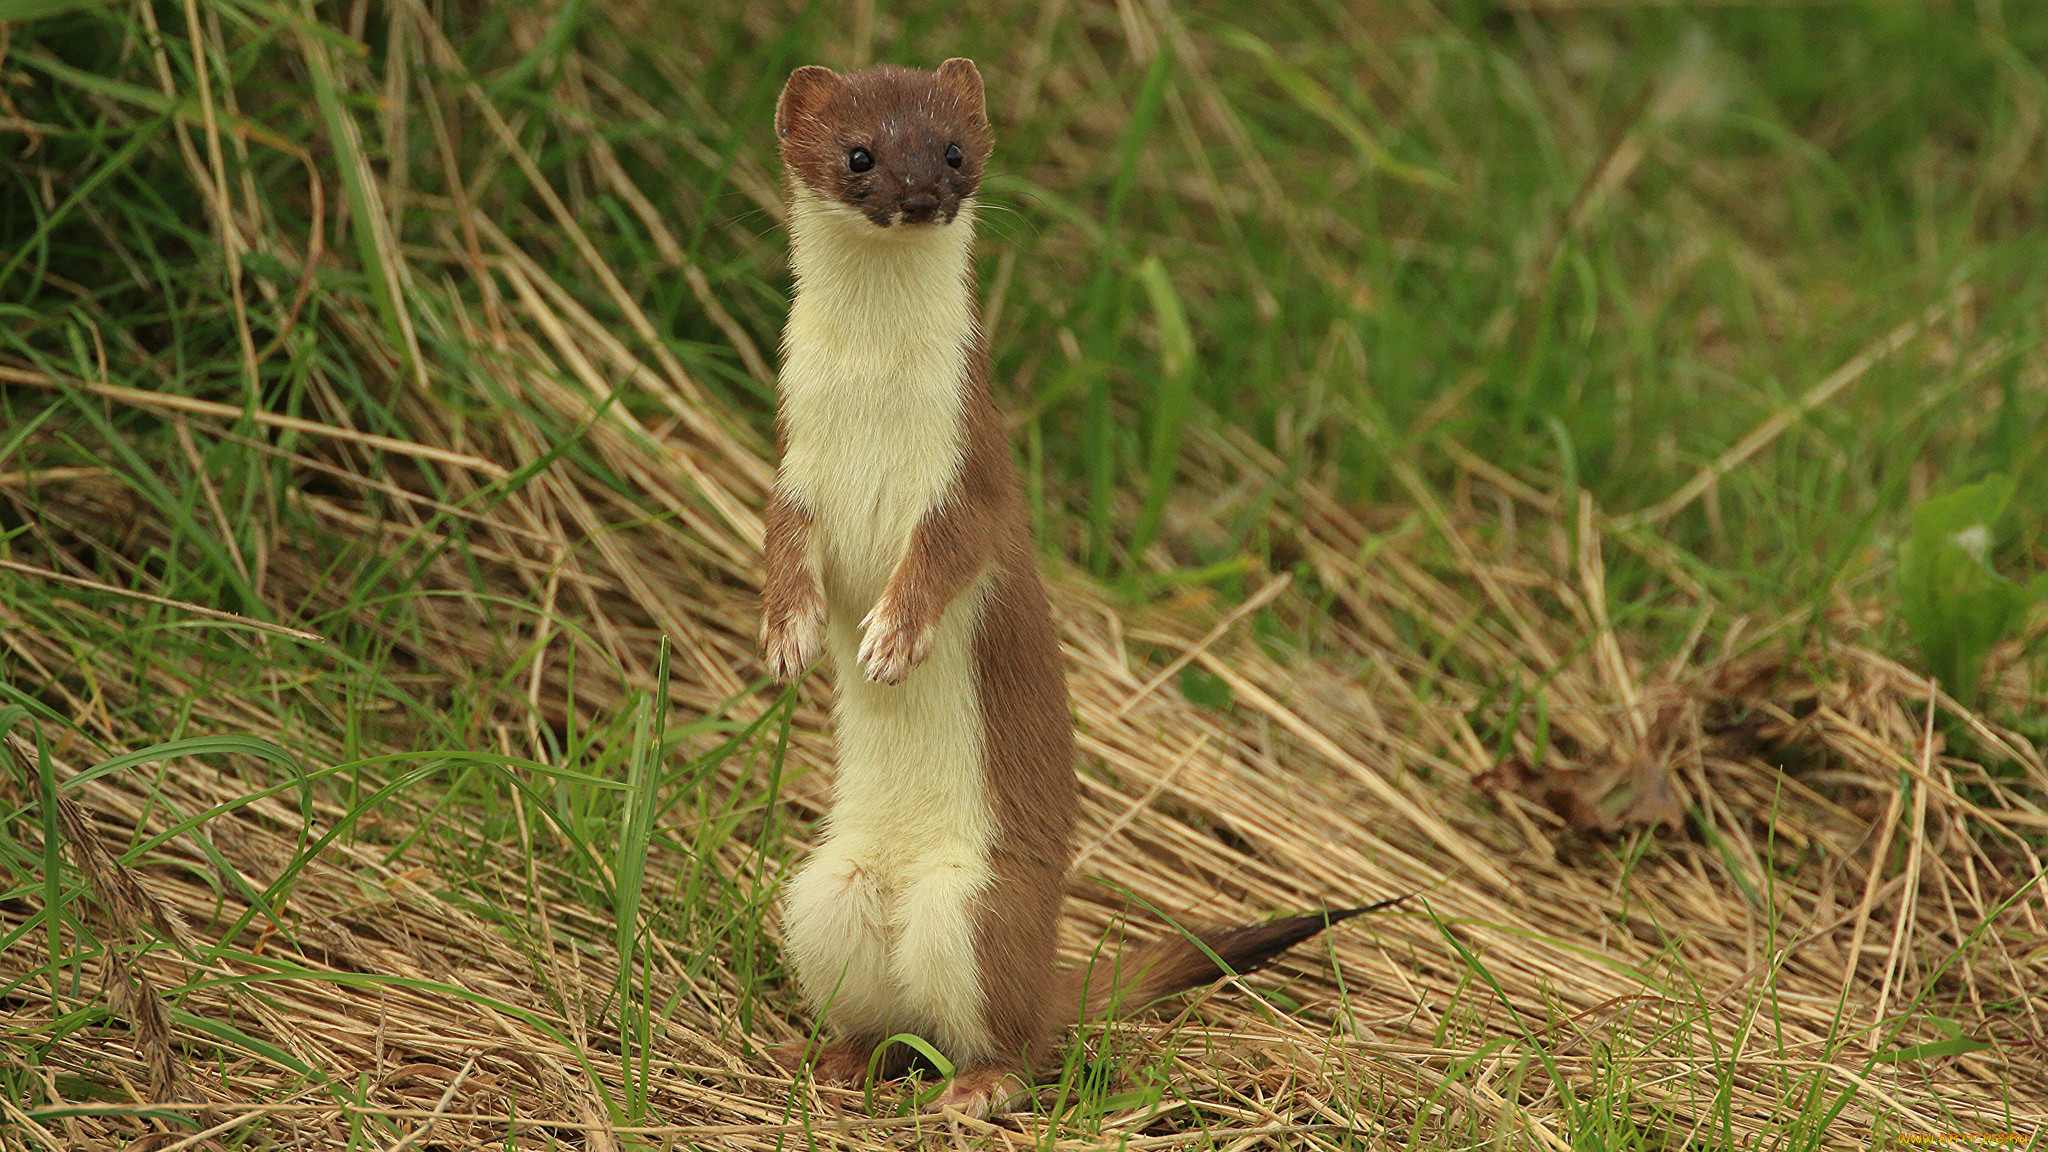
x,y
1339,915
1309,923
1252,947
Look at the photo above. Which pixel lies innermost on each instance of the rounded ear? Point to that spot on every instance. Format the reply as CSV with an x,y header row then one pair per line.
x,y
807,88
960,75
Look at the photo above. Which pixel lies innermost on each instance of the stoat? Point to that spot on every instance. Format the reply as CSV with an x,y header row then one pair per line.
x,y
897,542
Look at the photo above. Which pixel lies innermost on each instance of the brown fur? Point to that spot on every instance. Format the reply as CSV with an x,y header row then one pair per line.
x,y
1022,686
792,586
843,1061
905,117
1122,979
978,537
792,603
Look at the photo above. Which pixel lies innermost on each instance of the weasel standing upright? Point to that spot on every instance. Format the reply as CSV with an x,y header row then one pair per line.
x,y
897,541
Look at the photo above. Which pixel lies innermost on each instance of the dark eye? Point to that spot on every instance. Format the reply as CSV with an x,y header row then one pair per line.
x,y
953,155
859,160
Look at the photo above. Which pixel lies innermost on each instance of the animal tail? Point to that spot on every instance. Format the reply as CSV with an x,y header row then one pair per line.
x,y
1122,980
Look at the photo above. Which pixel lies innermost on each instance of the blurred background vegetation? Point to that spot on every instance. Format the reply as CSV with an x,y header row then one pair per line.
x,y
1594,243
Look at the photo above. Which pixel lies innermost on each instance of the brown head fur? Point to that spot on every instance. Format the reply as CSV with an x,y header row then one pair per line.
x,y
880,142
903,121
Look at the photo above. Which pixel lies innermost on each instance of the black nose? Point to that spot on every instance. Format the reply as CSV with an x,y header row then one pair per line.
x,y
920,205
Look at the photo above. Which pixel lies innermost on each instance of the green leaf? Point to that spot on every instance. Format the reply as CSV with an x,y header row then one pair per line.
x,y
192,746
234,1037
1957,1047
1311,97
1205,689
1955,605
22,11
923,1048
1175,399
643,778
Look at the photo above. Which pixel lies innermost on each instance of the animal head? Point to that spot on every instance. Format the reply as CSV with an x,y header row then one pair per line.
x,y
900,146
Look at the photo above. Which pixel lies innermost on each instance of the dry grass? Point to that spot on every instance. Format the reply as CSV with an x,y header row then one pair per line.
x,y
1844,878
1727,896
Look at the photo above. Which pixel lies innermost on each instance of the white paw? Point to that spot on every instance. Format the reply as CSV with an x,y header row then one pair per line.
x,y
792,644
889,646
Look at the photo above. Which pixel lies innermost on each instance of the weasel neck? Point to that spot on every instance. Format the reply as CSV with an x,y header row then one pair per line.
x,y
905,286
876,364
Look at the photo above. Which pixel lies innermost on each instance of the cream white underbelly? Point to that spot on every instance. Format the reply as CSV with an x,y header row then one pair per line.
x,y
880,920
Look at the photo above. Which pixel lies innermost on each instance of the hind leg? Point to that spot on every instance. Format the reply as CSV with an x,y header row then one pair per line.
x,y
935,961
843,1062
1014,934
963,992
995,921
836,920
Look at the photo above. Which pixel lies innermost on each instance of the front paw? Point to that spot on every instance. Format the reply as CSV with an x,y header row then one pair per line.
x,y
893,643
791,641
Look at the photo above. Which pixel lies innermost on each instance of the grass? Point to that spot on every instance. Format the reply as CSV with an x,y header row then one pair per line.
x,y
1471,444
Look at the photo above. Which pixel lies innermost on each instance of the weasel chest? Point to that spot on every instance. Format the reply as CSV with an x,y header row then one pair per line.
x,y
874,361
